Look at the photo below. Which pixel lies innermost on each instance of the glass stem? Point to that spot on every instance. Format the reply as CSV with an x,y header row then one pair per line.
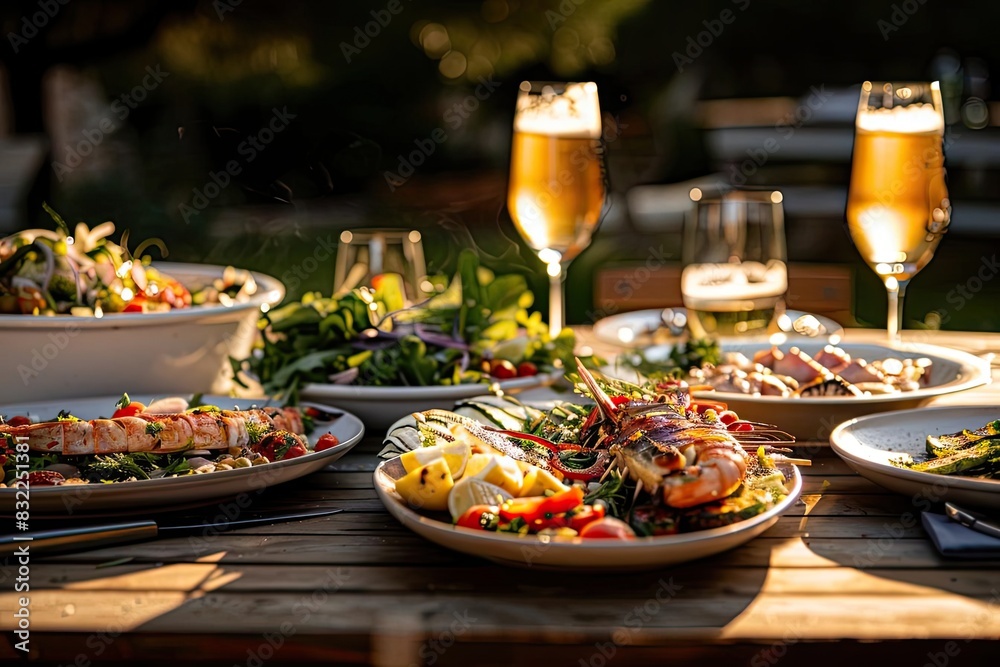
x,y
556,307
896,289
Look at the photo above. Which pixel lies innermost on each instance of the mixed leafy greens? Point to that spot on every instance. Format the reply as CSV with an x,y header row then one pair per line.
x,y
368,337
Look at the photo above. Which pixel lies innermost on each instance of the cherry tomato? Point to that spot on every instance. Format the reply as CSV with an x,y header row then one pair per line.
x,y
584,516
526,369
130,410
502,369
608,528
740,426
326,441
280,445
727,417
480,517
18,420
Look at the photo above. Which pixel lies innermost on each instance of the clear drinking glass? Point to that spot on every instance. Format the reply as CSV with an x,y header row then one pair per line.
x,y
898,207
366,257
734,275
557,187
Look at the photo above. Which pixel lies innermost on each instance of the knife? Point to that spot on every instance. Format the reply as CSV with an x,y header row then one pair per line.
x,y
970,520
64,540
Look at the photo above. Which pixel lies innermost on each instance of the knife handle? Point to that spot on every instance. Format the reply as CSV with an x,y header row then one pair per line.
x,y
77,539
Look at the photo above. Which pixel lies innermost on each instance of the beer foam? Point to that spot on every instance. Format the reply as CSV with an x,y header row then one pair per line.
x,y
737,281
911,119
574,114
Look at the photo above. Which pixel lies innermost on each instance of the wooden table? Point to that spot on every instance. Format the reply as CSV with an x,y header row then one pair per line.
x,y
847,575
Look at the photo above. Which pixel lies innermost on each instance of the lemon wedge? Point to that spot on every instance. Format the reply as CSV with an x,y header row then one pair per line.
x,y
541,481
500,470
455,454
472,491
428,486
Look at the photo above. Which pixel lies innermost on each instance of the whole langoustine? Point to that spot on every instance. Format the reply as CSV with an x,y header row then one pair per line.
x,y
689,462
156,433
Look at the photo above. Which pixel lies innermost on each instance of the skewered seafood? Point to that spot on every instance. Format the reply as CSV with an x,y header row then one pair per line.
x,y
693,463
157,433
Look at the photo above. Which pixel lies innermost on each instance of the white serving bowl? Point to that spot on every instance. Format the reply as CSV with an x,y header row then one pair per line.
x,y
175,351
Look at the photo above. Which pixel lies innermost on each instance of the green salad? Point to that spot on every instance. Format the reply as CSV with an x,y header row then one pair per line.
x,y
478,328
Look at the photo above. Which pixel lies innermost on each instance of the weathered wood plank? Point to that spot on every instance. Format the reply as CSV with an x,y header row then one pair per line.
x,y
485,579
396,549
677,614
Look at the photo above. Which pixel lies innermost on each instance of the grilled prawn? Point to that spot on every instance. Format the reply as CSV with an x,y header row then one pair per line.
x,y
688,461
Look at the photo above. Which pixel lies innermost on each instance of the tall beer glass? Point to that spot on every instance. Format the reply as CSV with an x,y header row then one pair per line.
x,y
557,185
898,207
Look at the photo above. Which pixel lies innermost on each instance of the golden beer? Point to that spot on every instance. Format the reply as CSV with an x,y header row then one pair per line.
x,y
733,299
898,205
556,191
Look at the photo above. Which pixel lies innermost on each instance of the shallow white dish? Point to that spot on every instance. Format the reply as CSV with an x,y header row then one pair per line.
x,y
814,418
167,493
182,350
379,407
542,552
867,444
641,328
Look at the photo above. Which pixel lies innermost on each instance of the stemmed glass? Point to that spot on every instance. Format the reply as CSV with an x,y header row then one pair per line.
x,y
898,207
557,184
735,277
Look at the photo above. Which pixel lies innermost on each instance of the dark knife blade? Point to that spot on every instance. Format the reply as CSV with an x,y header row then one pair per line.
x,y
64,540
971,520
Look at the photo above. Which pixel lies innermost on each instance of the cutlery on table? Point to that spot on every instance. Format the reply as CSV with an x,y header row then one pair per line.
x,y
63,540
971,520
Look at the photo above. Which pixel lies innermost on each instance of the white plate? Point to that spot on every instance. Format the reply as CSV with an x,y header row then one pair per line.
x,y
379,407
867,444
813,418
177,351
642,328
160,495
539,551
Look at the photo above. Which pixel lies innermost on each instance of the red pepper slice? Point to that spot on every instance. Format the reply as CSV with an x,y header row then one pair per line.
x,y
585,474
538,508
594,471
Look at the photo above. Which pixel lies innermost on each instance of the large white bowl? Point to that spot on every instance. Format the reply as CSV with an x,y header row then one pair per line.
x,y
813,418
176,351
